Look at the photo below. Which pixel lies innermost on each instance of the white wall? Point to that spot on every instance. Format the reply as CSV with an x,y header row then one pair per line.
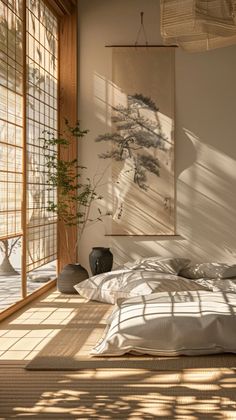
x,y
205,133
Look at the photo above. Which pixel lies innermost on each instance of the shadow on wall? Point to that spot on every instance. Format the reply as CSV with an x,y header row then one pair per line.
x,y
207,204
206,211
205,207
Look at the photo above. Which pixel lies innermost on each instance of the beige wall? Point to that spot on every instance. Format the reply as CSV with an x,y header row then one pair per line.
x,y
205,134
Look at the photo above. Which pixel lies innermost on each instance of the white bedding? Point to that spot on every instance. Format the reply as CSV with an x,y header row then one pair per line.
x,y
161,313
210,270
140,278
174,323
125,283
218,285
170,265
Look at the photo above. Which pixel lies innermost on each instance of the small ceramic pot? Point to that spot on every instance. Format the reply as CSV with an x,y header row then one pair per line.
x,y
71,275
100,260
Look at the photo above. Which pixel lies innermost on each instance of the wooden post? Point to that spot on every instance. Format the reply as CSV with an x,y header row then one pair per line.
x,y
68,108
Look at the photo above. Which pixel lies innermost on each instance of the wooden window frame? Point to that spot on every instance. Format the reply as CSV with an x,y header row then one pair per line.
x,y
67,13
68,105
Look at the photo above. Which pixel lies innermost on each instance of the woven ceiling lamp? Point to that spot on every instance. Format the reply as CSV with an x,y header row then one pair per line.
x,y
198,25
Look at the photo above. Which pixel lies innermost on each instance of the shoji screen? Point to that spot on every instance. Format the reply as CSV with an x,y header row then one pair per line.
x,y
11,147
42,88
11,69
28,105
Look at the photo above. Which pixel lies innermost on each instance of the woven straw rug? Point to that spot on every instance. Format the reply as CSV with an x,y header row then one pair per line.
x,y
69,349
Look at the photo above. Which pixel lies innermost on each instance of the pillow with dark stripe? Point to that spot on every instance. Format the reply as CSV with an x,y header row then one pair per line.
x,y
209,270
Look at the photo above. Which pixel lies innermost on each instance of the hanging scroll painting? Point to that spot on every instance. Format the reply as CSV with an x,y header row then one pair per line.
x,y
142,141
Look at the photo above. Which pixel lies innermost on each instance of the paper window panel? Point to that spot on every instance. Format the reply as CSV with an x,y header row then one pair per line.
x,y
40,248
11,139
42,89
14,5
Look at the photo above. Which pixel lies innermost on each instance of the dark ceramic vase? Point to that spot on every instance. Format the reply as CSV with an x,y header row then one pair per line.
x,y
71,275
100,260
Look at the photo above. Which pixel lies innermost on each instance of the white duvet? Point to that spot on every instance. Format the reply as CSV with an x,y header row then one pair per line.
x,y
125,283
153,274
174,323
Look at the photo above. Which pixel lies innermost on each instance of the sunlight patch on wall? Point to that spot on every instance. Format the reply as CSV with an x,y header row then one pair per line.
x,y
205,195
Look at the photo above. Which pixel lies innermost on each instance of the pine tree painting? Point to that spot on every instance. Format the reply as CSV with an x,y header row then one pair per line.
x,y
136,135
140,144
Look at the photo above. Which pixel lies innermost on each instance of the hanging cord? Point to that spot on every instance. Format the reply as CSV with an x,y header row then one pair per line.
x,y
141,29
208,38
233,11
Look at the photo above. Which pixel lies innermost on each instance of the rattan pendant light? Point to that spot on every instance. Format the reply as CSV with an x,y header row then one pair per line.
x,y
198,25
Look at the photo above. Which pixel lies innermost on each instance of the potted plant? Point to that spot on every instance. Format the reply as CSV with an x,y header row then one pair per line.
x,y
75,196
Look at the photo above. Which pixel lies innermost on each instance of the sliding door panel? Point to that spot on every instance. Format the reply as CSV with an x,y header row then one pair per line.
x,y
28,106
11,149
42,88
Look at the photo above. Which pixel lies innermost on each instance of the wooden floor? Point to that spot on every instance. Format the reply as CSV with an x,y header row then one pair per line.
x,y
98,394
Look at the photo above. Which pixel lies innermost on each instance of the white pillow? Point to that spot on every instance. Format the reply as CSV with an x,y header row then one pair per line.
x,y
162,324
124,283
209,271
217,285
161,265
